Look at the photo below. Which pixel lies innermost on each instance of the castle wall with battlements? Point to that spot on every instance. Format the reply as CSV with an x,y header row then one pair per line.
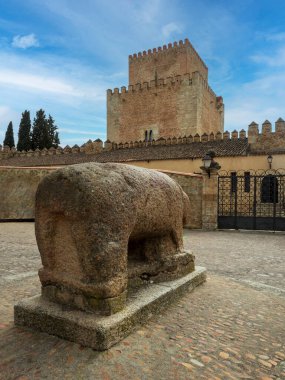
x,y
168,96
267,138
167,61
176,106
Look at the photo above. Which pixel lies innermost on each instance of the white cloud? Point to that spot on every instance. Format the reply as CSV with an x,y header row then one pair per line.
x,y
4,112
257,101
36,82
47,76
80,132
273,60
171,28
240,116
24,42
72,92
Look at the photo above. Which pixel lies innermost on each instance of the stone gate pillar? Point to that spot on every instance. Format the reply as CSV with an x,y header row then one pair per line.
x,y
210,200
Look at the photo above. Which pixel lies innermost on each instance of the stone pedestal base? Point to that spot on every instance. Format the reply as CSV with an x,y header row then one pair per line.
x,y
100,332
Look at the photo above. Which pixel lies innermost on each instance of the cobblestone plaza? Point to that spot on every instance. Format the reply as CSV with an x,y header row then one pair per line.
x,y
232,327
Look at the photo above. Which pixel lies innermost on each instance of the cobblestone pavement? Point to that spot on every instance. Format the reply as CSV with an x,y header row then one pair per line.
x,y
257,259
232,327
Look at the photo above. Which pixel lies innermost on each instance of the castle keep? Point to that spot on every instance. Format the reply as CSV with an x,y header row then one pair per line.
x,y
168,95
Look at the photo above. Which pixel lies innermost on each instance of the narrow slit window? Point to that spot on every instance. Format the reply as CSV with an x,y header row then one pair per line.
x,y
145,136
233,182
247,182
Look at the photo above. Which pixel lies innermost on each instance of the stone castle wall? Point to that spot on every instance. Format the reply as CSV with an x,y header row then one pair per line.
x,y
192,185
18,189
176,106
267,139
265,142
167,61
168,95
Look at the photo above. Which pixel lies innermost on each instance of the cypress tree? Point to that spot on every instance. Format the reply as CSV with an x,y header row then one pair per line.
x,y
56,140
24,134
9,136
53,135
44,134
40,137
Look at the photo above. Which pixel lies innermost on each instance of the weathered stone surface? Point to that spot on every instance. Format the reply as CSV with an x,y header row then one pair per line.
x,y
168,96
100,227
101,332
18,189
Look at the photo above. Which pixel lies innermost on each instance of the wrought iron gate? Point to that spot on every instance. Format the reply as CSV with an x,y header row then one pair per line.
x,y
252,200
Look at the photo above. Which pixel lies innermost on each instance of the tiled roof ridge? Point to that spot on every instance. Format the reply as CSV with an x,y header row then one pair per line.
x,y
151,152
229,143
98,146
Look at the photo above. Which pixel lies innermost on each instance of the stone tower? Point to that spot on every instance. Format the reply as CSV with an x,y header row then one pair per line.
x,y
168,95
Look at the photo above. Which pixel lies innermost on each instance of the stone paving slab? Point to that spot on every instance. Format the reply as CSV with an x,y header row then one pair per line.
x,y
225,329
102,332
254,258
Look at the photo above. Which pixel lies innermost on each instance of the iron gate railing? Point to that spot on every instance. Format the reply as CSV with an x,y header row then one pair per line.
x,y
252,200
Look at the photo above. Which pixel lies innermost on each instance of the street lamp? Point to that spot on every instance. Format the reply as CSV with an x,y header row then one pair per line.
x,y
207,160
269,160
209,164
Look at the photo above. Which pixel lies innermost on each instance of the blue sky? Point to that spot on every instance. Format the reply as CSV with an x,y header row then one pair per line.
x,y
62,56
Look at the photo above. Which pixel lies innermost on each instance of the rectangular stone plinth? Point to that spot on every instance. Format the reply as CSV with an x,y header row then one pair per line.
x,y
100,332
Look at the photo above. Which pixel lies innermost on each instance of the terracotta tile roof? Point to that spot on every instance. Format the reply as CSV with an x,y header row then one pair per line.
x,y
222,148
180,151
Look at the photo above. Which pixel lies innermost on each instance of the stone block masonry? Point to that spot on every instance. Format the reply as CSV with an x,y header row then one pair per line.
x,y
18,188
226,144
18,204
167,61
168,95
267,140
192,185
101,333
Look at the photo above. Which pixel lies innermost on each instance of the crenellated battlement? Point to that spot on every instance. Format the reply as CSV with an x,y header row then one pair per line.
x,y
162,82
176,58
165,49
206,85
185,79
168,94
268,140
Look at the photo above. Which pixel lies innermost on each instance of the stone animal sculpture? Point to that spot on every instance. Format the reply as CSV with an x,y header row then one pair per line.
x,y
103,227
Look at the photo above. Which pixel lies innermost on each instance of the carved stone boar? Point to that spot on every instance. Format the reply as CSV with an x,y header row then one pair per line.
x,y
102,227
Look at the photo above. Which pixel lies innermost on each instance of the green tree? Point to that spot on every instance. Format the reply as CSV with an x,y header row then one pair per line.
x,y
44,133
53,134
40,136
56,140
24,134
9,136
